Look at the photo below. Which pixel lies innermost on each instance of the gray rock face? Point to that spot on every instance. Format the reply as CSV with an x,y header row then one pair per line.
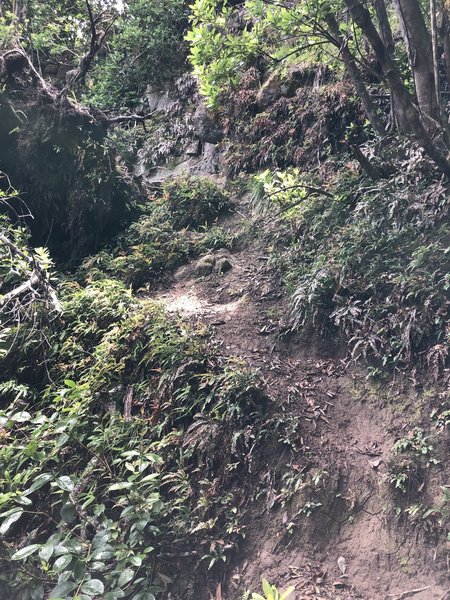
x,y
194,148
206,126
156,100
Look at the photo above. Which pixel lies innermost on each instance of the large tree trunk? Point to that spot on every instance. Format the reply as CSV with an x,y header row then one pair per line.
x,y
397,116
355,76
20,14
445,34
20,9
420,52
362,18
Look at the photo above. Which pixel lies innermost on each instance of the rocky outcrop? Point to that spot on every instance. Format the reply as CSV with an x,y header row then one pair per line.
x,y
207,126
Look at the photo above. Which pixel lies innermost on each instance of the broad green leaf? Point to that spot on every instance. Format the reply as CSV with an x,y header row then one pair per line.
x,y
61,563
62,590
93,587
154,458
136,561
24,501
124,485
287,593
15,516
267,588
46,551
65,483
125,577
149,478
39,482
68,513
103,553
21,417
24,552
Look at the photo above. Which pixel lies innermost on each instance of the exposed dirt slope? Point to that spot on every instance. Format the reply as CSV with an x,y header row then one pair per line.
x,y
346,429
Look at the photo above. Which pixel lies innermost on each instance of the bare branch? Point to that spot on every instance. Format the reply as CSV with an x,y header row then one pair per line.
x,y
38,284
96,43
132,117
310,188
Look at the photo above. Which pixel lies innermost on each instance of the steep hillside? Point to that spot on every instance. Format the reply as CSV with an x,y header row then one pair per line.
x,y
231,363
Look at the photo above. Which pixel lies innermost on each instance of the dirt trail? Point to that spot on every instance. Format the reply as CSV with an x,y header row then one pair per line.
x,y
347,430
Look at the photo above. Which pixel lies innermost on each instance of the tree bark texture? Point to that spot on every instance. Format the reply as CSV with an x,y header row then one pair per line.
x,y
362,18
420,52
397,116
355,76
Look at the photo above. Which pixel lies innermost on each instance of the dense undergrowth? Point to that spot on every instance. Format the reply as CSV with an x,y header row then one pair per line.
x,y
296,119
98,502
129,442
369,260
175,225
129,446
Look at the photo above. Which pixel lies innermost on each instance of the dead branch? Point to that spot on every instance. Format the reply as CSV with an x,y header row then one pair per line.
x,y
96,43
132,117
408,593
37,284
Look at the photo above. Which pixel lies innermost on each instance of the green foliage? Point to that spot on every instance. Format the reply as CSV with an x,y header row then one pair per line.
x,y
59,30
416,442
372,264
193,202
225,40
172,229
216,54
308,117
103,478
406,470
91,501
271,593
147,48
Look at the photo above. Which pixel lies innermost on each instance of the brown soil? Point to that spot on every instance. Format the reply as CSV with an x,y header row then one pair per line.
x,y
348,428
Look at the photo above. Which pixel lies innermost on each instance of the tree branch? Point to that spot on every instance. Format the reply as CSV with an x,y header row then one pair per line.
x,y
38,279
132,117
96,43
309,188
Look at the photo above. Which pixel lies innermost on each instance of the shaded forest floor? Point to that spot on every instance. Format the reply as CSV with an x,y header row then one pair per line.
x,y
342,539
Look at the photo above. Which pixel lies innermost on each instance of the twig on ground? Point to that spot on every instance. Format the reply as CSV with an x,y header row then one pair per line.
x,y
408,593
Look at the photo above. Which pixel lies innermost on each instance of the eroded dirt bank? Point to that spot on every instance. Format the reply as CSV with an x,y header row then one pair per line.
x,y
338,537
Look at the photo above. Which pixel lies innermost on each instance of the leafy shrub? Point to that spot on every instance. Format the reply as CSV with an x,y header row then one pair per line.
x,y
271,592
147,49
370,263
312,122
92,500
193,201
412,455
171,230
